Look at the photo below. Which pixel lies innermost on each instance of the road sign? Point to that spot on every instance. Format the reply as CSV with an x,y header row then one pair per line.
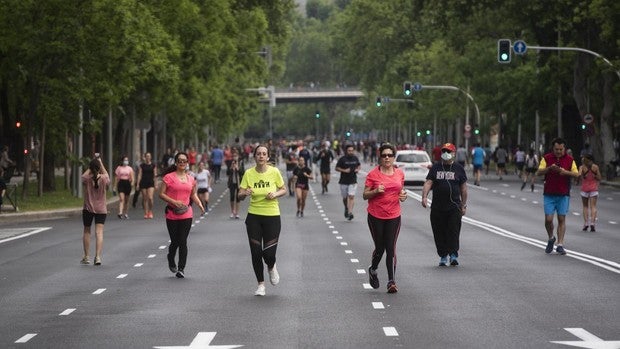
x,y
519,47
468,127
588,118
417,86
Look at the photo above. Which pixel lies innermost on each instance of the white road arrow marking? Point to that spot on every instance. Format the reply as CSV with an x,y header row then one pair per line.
x,y
202,341
588,340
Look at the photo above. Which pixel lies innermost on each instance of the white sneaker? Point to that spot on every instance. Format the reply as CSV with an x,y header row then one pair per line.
x,y
274,277
260,291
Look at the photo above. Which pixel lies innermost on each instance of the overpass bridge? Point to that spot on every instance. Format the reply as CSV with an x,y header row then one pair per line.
x,y
308,95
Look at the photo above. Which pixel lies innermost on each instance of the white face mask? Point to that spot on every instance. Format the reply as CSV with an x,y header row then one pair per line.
x,y
446,156
126,162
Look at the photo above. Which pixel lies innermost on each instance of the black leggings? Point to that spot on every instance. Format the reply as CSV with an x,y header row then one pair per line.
x,y
263,234
384,234
446,227
178,229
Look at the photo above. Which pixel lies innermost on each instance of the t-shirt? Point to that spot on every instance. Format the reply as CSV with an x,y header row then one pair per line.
x,y
447,180
351,162
94,198
262,184
202,179
478,155
299,172
124,172
217,156
181,191
385,205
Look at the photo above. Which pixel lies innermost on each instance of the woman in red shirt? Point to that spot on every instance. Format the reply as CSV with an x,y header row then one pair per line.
x,y
590,178
384,190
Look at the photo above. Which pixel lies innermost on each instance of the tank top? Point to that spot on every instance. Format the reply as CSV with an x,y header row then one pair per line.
x,y
589,182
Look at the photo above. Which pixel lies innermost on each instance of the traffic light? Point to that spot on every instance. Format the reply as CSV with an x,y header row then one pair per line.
x,y
418,133
504,48
18,124
407,88
348,134
583,127
476,130
428,132
317,114
378,103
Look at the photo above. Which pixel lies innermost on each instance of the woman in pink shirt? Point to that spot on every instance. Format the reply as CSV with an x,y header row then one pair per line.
x,y
384,190
590,177
124,182
95,180
177,188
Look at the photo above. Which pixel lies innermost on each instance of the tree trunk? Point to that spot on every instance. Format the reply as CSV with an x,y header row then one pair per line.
x,y
605,141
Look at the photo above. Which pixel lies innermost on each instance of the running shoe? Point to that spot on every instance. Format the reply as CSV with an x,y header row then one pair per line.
x,y
523,186
120,216
550,243
443,261
391,287
126,216
297,215
150,214
592,228
346,213
585,228
301,214
232,216
373,279
350,216
274,277
560,250
260,291
172,265
146,216
97,260
236,216
180,273
454,259
85,260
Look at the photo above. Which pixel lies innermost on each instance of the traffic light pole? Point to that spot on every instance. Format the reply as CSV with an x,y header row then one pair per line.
x,y
577,49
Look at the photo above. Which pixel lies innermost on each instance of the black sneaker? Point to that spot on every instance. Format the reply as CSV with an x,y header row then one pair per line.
x,y
373,279
350,216
592,229
454,259
523,186
549,247
346,213
180,274
560,250
172,265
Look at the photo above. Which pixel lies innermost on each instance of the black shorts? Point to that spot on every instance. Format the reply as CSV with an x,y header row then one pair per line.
x,y
531,170
147,184
202,190
87,218
234,191
124,186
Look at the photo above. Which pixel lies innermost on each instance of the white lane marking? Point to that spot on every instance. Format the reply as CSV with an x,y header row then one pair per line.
x,y
329,222
331,226
26,338
67,311
576,214
121,276
162,247
599,262
348,251
513,196
390,331
339,237
138,265
202,341
378,305
367,286
335,232
361,271
99,291
323,215
151,256
535,202
325,219
355,260
321,211
613,222
344,243
35,231
588,340
523,199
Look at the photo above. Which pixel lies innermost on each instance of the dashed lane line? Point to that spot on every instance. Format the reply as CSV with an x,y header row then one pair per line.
x,y
67,311
26,338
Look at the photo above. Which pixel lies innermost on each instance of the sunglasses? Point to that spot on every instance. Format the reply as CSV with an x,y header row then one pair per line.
x,y
446,151
390,155
181,161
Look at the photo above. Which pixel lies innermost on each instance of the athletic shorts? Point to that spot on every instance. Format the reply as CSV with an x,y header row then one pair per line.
x,y
501,165
348,189
302,186
147,184
289,174
520,165
531,170
124,186
556,203
202,190
477,168
87,218
589,194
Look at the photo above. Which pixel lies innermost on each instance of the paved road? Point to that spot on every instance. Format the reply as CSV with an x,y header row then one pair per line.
x,y
507,293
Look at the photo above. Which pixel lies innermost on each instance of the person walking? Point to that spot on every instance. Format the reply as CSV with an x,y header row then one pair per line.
x,y
147,173
501,157
325,159
531,165
590,178
558,168
235,173
384,190
263,183
477,159
519,162
204,181
95,180
447,179
301,175
348,166
124,178
217,157
177,189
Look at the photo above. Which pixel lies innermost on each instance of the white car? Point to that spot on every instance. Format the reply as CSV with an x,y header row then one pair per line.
x,y
414,164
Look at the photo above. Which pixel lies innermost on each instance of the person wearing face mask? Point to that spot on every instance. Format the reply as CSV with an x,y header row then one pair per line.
x,y
124,180
447,179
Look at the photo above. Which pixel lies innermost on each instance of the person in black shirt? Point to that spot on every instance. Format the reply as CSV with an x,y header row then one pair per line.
x,y
301,174
447,180
348,166
325,158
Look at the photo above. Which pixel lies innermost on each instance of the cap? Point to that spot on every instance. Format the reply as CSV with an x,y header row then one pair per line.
x,y
448,146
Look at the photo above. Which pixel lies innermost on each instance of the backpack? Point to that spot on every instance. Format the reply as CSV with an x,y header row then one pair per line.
x,y
531,161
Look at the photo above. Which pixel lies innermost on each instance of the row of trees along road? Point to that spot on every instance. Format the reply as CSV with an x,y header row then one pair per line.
x,y
188,60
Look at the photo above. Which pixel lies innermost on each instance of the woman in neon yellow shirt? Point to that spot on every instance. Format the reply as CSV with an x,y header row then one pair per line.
x,y
264,184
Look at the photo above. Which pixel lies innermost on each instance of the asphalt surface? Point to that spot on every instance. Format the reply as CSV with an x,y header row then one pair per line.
x,y
507,293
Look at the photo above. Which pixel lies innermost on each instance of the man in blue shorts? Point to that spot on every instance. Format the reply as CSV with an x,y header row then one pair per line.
x,y
477,159
558,168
